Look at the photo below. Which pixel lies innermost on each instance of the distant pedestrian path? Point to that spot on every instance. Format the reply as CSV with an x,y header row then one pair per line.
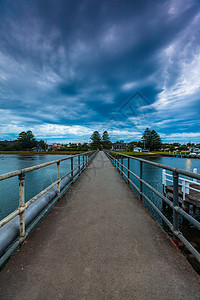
x,y
99,242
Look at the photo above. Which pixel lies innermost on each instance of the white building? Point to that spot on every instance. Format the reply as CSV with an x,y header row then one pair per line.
x,y
137,149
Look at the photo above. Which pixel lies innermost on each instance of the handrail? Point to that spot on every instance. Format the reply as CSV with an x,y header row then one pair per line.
x,y
174,227
179,171
38,209
184,183
21,174
29,169
183,179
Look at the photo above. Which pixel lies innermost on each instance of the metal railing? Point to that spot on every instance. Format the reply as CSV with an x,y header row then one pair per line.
x,y
183,182
115,158
71,175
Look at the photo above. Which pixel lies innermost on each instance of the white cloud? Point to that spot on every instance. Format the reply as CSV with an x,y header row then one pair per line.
x,y
184,87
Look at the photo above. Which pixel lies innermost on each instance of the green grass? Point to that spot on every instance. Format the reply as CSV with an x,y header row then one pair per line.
x,y
161,152
134,153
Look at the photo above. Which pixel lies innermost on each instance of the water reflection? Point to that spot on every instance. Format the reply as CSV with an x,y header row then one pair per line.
x,y
188,164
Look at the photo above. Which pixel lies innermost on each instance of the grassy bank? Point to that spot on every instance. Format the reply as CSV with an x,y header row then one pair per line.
x,y
144,153
43,152
138,153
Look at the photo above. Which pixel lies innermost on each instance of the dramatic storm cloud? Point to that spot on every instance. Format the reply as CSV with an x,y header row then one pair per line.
x,y
68,68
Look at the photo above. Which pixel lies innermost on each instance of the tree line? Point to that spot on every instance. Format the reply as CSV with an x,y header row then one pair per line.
x,y
150,141
99,142
26,141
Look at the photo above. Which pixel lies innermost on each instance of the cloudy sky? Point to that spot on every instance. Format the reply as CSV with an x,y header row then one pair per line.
x,y
70,67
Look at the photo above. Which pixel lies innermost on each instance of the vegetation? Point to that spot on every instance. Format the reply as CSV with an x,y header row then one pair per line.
x,y
98,142
135,153
26,140
43,152
151,140
26,143
106,143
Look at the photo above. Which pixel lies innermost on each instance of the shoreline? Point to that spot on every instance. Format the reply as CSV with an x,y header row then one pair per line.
x,y
155,155
42,153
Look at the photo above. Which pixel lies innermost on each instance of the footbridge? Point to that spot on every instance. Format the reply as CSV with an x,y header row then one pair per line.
x,y
98,241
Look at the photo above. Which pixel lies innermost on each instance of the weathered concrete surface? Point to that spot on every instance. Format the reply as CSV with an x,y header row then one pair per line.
x,y
103,244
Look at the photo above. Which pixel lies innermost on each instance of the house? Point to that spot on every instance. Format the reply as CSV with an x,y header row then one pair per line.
x,y
137,149
37,149
120,146
194,151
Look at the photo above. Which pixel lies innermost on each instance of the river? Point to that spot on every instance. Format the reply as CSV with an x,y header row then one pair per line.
x,y
37,180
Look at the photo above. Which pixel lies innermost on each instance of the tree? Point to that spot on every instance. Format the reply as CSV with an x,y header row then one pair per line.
x,y
42,145
26,140
96,140
132,145
151,140
85,146
146,139
156,142
106,141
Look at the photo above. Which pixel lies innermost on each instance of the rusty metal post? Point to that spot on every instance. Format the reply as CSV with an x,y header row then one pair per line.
x,y
58,178
118,162
128,170
72,167
22,203
122,166
175,204
141,198
79,167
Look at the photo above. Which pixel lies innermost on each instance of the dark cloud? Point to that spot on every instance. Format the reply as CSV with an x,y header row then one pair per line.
x,y
74,63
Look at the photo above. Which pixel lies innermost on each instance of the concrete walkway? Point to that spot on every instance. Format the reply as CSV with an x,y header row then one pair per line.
x,y
99,242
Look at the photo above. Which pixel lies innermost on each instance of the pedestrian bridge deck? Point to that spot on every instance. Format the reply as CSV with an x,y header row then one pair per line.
x,y
99,242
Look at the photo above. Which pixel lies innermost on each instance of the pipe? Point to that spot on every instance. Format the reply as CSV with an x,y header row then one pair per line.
x,y
10,231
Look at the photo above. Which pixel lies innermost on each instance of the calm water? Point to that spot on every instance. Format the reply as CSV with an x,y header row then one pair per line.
x,y
37,180
153,176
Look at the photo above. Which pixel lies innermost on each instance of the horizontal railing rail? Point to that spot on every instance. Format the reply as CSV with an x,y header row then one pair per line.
x,y
115,158
71,175
183,182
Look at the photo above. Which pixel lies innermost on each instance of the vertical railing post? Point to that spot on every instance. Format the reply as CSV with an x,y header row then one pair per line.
x,y
195,171
115,160
183,188
141,186
175,203
72,167
128,170
83,162
58,178
164,182
118,162
22,203
122,166
79,167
